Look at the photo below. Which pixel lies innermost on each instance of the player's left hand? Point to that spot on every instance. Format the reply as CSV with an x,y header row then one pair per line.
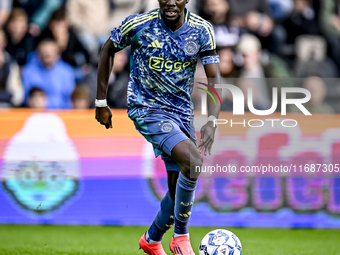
x,y
207,138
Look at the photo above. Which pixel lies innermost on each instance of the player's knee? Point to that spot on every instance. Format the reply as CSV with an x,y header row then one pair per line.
x,y
197,164
198,161
189,167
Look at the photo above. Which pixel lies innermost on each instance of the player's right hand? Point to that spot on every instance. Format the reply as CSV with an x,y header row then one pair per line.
x,y
104,116
207,138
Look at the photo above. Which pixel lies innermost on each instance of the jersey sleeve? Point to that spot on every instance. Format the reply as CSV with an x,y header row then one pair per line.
x,y
208,45
121,36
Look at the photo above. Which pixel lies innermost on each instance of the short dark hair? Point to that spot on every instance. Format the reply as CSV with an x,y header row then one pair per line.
x,y
17,13
34,91
59,14
81,91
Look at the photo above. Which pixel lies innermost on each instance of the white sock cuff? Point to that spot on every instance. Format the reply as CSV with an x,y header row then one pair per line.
x,y
178,235
148,239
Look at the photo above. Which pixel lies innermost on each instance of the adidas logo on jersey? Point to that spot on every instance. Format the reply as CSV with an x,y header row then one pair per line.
x,y
156,44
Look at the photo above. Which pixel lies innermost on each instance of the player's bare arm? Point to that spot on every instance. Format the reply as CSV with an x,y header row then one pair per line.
x,y
103,112
208,130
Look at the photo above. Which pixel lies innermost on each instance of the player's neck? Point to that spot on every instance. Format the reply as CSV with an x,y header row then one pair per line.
x,y
173,26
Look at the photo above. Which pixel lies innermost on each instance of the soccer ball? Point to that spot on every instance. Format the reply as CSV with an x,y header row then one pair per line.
x,y
220,242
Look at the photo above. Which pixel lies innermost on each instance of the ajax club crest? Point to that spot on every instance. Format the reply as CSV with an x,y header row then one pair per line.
x,y
166,127
190,47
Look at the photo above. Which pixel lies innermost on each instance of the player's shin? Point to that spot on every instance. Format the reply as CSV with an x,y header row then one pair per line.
x,y
185,195
163,221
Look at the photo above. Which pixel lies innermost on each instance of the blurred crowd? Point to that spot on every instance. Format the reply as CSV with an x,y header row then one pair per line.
x,y
49,50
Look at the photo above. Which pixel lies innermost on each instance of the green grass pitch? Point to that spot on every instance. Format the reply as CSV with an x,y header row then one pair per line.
x,y
36,239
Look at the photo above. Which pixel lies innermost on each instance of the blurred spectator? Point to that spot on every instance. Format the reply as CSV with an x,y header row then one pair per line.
x,y
260,101
257,67
93,27
227,65
39,12
51,74
5,10
81,97
318,90
118,82
217,12
280,9
229,74
333,93
309,47
301,21
11,90
72,51
257,63
37,99
250,48
123,8
252,15
329,18
311,58
20,42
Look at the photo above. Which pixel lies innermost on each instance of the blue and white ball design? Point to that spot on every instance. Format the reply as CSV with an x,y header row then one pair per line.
x,y
220,242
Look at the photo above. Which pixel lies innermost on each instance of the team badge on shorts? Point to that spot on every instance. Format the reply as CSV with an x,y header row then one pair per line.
x,y
190,48
166,127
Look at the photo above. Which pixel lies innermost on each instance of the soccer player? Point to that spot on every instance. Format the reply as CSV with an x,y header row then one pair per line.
x,y
165,44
